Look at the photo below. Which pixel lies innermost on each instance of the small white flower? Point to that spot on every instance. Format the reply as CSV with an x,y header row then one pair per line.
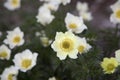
x,y
58,1
117,55
65,2
82,7
44,16
65,44
52,78
37,34
25,60
14,38
12,4
52,6
5,52
45,41
83,45
86,16
115,5
115,16
10,73
75,23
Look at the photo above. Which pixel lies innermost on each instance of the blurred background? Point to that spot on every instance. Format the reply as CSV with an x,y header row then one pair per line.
x,y
104,37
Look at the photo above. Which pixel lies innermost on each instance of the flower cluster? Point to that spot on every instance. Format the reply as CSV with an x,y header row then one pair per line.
x,y
69,44
83,11
45,15
23,61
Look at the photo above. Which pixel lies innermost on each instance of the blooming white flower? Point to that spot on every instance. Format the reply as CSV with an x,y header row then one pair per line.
x,y
58,1
44,16
82,7
83,45
25,60
83,10
52,78
5,52
115,5
45,41
10,73
87,16
117,55
12,4
65,44
65,2
75,23
115,16
52,6
14,38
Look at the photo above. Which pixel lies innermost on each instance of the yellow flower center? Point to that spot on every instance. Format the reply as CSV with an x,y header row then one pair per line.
x,y
110,67
16,39
26,63
15,2
81,48
118,13
72,26
67,45
10,77
45,41
3,54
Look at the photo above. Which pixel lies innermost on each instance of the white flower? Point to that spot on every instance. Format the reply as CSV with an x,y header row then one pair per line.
x,y
45,41
115,5
52,6
86,16
25,60
65,2
83,45
12,4
75,23
58,1
5,52
115,16
117,55
14,38
44,16
52,78
82,7
83,10
65,44
10,73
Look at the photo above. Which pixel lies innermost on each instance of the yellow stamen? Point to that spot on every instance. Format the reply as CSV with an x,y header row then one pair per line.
x,y
81,48
10,77
72,26
26,63
15,2
110,67
16,39
118,13
66,45
3,54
